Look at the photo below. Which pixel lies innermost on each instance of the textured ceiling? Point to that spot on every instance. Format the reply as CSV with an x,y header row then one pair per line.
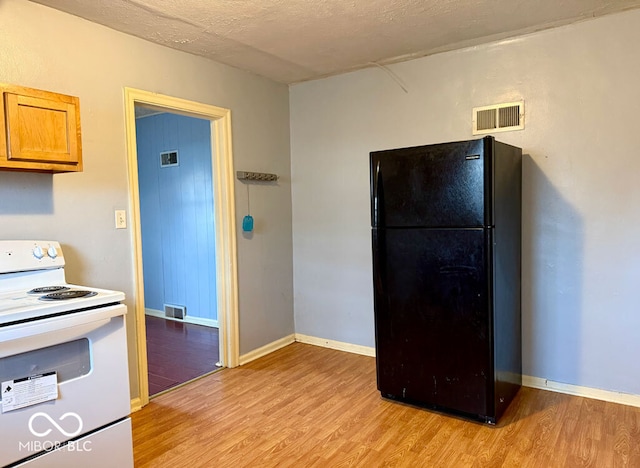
x,y
297,40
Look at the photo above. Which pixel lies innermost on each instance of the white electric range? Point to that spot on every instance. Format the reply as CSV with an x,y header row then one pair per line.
x,y
64,381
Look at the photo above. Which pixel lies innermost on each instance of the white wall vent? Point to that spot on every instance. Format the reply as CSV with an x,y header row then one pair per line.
x,y
175,311
498,118
169,158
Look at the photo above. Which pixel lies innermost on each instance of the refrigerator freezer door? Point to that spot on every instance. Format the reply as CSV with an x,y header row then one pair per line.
x,y
429,186
433,340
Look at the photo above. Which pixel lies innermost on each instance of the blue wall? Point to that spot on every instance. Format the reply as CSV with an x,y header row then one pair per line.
x,y
176,210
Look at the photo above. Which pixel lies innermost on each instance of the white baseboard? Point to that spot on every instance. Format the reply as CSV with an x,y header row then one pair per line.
x,y
266,349
527,381
188,319
586,392
339,345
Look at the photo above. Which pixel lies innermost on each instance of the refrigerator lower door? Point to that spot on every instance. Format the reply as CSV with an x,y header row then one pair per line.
x,y
433,339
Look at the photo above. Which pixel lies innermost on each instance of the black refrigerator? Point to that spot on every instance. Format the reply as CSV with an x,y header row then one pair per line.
x,y
446,230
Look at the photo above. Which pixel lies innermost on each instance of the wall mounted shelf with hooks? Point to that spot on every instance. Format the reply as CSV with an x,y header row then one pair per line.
x,y
256,176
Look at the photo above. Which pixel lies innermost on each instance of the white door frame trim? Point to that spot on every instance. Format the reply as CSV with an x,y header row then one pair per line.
x,y
225,231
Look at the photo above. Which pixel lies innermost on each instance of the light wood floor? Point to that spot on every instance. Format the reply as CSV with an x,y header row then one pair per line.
x,y
305,406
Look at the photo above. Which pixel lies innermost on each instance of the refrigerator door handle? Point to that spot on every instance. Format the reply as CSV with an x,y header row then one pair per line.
x,y
379,263
376,196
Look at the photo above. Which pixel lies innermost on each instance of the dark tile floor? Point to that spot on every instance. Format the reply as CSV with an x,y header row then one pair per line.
x,y
178,352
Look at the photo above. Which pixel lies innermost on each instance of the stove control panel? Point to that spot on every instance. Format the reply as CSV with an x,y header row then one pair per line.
x,y
23,255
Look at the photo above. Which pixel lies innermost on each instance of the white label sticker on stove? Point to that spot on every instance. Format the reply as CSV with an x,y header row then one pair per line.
x,y
29,391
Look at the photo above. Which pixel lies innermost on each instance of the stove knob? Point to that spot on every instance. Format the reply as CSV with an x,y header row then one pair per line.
x,y
38,252
52,252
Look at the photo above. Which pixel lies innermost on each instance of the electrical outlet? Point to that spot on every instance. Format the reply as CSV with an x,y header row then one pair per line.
x,y
121,219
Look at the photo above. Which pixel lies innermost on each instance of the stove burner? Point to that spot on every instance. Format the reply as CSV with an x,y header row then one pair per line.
x,y
47,289
70,294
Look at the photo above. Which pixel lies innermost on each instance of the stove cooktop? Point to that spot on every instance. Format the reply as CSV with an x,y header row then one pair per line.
x,y
33,284
67,294
23,305
48,289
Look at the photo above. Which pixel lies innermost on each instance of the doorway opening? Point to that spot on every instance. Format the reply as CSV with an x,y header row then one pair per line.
x,y
175,183
223,266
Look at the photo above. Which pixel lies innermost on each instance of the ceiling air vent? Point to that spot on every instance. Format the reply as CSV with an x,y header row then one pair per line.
x,y
168,158
498,118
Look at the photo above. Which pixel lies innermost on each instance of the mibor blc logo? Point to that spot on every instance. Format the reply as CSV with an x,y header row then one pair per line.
x,y
68,425
55,424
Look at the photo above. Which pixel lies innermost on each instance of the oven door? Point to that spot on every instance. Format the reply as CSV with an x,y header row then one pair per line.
x,y
95,450
88,351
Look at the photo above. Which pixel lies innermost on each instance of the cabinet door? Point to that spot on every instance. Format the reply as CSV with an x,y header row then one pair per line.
x,y
41,130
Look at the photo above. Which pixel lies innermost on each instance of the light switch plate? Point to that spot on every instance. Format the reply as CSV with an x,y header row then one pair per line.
x,y
121,219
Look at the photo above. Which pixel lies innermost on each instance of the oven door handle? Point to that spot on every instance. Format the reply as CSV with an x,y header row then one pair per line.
x,y
59,328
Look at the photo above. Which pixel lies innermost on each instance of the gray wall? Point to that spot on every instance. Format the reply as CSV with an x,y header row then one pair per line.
x,y
581,193
43,48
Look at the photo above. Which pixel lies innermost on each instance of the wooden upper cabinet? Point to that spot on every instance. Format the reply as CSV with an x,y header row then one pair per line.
x,y
40,130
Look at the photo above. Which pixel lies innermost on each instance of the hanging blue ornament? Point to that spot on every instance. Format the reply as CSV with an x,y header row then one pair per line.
x,y
247,223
